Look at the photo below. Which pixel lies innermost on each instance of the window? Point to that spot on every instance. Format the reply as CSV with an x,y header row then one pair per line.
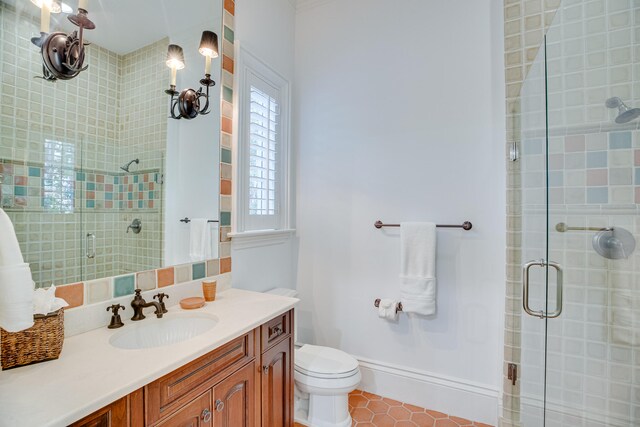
x,y
263,150
59,176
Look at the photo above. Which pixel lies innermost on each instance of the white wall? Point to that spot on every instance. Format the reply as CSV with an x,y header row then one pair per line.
x,y
266,29
399,116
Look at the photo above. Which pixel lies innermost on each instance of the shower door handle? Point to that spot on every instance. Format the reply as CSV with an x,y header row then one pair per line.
x,y
525,289
559,279
91,238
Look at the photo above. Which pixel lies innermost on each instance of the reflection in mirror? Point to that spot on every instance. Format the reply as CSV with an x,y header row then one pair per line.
x,y
89,166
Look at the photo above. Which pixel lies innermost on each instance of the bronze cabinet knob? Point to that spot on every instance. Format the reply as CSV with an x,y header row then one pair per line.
x,y
206,416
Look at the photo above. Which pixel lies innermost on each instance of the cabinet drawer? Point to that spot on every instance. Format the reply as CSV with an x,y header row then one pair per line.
x,y
170,392
275,329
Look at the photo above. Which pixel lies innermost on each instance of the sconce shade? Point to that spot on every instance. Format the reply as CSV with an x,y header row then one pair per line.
x,y
53,5
209,44
175,57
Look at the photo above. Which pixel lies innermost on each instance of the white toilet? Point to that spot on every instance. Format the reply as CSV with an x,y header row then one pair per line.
x,y
323,378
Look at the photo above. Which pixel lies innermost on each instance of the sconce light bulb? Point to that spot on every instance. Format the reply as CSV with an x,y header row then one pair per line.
x,y
175,63
209,44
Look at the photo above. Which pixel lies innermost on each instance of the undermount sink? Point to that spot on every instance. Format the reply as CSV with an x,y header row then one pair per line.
x,y
171,329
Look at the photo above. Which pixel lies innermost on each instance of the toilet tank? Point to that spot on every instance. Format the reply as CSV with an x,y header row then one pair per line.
x,y
291,293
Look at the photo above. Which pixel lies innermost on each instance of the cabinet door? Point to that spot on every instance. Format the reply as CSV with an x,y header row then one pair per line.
x,y
113,415
234,399
277,388
195,414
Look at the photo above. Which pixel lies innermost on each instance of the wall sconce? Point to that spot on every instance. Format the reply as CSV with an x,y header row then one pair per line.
x,y
188,102
62,55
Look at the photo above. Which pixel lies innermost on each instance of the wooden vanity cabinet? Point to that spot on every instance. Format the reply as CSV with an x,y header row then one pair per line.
x,y
247,382
125,412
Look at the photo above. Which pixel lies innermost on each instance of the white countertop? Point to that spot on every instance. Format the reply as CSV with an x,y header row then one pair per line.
x,y
91,373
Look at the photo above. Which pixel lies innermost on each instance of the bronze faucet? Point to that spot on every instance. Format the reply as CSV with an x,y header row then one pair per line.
x,y
139,303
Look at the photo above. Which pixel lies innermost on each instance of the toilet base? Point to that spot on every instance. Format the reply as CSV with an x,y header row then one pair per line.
x,y
322,411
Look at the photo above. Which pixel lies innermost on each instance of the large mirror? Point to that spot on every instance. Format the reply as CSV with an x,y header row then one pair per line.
x,y
94,173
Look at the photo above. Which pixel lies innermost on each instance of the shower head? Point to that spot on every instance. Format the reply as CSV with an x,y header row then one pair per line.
x,y
625,114
128,165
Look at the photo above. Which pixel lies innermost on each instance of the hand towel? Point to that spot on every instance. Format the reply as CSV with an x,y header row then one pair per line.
x,y
200,240
16,284
418,267
16,298
387,309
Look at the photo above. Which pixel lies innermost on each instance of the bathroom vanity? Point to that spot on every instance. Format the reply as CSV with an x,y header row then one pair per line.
x,y
238,384
240,373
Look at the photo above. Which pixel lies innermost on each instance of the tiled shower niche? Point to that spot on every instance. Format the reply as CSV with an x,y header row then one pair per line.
x,y
61,148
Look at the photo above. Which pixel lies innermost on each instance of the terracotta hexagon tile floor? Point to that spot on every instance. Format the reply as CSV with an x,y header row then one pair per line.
x,y
370,410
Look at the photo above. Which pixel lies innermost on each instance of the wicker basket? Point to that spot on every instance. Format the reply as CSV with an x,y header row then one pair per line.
x,y
43,341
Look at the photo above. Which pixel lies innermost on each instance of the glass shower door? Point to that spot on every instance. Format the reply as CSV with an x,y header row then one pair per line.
x,y
580,330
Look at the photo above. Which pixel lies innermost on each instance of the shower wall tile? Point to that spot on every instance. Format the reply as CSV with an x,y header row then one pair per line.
x,y
619,140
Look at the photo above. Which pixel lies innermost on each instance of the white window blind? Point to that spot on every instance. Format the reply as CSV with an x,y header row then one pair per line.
x,y
262,204
263,153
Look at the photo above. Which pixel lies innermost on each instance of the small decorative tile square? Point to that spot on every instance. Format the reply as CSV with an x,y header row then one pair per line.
x,y
199,270
123,285
72,294
183,273
165,277
213,267
371,410
146,280
98,290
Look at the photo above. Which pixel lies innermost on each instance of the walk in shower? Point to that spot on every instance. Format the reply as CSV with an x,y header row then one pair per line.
x,y
576,221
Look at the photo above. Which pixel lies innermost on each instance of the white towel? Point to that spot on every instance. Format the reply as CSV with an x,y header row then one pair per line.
x,y
418,267
200,240
16,284
387,309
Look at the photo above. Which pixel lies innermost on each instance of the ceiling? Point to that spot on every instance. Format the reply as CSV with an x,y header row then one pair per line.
x,y
123,26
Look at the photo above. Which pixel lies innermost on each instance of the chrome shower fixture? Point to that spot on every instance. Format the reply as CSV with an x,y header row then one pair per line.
x,y
625,114
128,165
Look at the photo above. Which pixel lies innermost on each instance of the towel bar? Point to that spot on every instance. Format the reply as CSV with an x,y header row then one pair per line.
x,y
376,303
187,220
465,225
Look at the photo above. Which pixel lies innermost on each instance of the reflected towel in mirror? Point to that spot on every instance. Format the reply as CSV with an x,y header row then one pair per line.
x,y
200,239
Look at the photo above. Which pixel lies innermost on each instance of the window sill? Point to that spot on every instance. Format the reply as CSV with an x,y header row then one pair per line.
x,y
258,238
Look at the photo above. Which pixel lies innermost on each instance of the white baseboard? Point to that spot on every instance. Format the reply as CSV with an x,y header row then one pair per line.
x,y
453,396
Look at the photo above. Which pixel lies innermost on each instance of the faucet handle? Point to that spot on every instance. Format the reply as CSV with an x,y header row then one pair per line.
x,y
161,296
115,308
116,321
137,295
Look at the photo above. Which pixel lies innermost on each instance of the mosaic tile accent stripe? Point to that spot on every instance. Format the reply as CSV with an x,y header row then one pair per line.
x,y
25,186
226,136
371,410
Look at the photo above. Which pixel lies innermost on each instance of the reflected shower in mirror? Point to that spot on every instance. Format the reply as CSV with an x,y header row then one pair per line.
x,y
84,161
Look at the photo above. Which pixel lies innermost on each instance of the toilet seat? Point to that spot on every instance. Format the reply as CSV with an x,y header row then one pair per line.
x,y
324,362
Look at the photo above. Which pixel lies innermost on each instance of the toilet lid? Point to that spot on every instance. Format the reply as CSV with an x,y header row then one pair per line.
x,y
325,362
